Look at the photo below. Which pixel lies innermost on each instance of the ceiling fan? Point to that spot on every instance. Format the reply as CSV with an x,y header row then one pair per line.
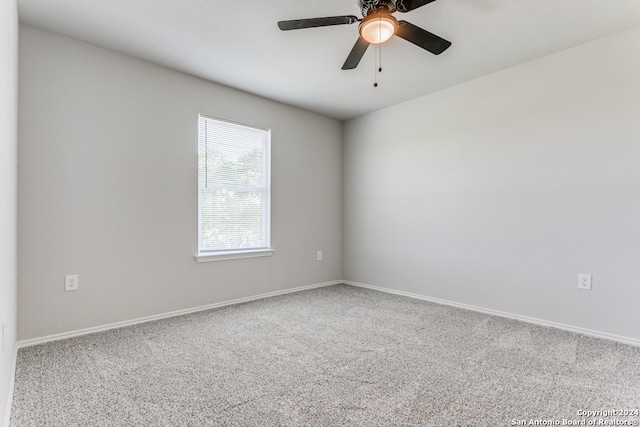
x,y
377,26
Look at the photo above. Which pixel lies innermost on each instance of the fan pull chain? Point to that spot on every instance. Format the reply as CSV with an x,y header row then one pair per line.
x,y
380,54
378,60
377,65
375,74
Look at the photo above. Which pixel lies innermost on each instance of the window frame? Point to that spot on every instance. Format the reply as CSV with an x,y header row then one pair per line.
x,y
227,254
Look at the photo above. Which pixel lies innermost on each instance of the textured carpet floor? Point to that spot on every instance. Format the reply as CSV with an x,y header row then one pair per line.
x,y
336,356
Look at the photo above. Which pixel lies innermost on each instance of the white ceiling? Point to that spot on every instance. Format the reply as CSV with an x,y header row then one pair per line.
x,y
237,43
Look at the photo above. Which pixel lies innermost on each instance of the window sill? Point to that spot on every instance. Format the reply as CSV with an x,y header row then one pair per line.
x,y
224,256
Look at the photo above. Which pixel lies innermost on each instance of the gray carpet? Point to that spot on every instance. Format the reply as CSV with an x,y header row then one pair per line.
x,y
336,356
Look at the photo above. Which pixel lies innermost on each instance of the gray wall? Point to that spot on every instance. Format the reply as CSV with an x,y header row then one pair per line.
x,y
8,183
108,190
498,192
495,193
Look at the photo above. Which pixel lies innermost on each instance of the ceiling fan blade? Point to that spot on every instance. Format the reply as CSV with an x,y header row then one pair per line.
x,y
422,38
356,54
297,24
409,5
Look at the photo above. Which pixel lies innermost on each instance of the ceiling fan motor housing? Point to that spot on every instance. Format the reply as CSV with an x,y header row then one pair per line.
x,y
372,6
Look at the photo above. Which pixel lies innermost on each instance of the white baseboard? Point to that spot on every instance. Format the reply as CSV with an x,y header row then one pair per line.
x,y
541,322
12,383
80,332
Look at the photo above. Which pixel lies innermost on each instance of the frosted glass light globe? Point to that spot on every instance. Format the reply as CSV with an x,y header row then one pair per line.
x,y
378,29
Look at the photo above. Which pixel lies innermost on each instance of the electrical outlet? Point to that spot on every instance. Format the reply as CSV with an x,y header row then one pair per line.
x,y
319,256
71,282
584,282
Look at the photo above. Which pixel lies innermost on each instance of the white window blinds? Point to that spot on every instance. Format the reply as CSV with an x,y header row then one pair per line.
x,y
233,186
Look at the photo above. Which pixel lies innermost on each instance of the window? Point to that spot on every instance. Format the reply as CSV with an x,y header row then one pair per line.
x,y
234,194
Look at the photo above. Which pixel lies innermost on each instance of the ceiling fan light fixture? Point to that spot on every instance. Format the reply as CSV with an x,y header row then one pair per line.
x,y
378,28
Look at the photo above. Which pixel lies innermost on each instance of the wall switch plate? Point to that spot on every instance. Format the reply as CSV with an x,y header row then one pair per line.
x,y
584,281
319,256
71,282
